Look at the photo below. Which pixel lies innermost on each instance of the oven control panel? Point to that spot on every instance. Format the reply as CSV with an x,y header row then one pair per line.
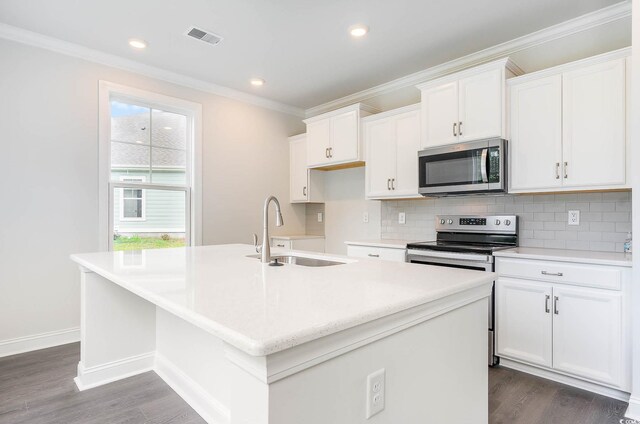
x,y
502,224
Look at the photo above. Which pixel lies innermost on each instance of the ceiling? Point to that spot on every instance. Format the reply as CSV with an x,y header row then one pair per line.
x,y
300,47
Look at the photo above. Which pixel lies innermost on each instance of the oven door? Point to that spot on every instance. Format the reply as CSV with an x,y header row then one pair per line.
x,y
473,167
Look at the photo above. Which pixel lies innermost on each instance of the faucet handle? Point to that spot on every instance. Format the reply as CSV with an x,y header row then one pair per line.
x,y
255,243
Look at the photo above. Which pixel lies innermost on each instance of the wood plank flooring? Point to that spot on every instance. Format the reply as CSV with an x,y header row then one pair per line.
x,y
37,388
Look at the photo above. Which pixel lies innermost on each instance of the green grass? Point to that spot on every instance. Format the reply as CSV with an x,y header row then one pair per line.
x,y
137,243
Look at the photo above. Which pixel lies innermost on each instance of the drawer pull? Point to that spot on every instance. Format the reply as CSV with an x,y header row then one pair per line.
x,y
555,304
554,274
280,245
374,255
546,303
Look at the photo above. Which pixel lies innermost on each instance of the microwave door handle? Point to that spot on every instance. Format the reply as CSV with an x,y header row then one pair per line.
x,y
484,165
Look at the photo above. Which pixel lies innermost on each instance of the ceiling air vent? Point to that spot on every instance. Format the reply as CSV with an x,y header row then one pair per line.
x,y
206,36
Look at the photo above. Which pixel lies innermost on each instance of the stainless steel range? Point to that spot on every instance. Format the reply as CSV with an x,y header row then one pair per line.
x,y
468,242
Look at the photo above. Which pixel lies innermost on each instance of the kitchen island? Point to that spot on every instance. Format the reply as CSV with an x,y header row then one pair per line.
x,y
247,343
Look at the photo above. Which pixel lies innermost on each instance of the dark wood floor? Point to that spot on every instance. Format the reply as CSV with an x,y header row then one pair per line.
x,y
38,388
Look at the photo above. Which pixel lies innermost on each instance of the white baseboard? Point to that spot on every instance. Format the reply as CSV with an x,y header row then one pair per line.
x,y
38,341
633,411
91,377
565,379
209,408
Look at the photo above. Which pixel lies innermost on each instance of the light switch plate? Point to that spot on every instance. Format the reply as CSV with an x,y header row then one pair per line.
x,y
573,218
319,216
402,218
365,217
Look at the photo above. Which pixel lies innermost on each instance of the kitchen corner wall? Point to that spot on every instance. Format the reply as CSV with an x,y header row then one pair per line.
x,y
605,218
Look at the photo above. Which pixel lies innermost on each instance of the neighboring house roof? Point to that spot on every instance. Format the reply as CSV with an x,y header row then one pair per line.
x,y
136,140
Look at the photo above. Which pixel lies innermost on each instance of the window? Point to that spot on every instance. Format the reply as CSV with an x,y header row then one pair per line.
x,y
149,169
132,201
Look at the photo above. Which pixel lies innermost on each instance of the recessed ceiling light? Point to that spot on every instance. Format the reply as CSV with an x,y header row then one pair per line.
x,y
168,128
257,82
137,43
358,30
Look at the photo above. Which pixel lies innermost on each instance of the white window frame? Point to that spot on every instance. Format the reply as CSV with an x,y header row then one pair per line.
x,y
143,197
192,188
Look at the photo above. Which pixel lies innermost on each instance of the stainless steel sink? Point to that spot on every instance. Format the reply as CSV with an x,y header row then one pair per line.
x,y
299,260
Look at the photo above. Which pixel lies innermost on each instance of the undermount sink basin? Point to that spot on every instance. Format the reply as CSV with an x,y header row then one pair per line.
x,y
300,260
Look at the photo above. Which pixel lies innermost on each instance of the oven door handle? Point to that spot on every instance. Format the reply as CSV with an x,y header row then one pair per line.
x,y
450,255
484,165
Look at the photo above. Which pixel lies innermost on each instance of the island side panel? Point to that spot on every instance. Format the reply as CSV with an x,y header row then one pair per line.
x,y
436,372
117,332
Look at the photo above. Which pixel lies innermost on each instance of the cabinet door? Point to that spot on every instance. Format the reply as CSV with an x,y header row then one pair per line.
x,y
344,137
439,115
481,99
298,172
594,125
524,320
381,157
407,135
587,333
318,141
536,134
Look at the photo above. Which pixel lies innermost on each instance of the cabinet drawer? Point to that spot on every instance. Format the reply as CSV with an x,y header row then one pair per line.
x,y
384,253
561,272
281,243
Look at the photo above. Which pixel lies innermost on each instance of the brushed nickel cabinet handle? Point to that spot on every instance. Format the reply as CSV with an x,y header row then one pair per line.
x,y
554,274
330,152
555,304
557,170
304,191
388,183
566,171
460,128
374,256
393,183
326,153
454,129
547,298
280,245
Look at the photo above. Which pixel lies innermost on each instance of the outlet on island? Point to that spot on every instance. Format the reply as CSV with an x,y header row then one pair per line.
x,y
401,218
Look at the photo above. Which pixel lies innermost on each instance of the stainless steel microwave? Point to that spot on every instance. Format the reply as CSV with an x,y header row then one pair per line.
x,y
464,168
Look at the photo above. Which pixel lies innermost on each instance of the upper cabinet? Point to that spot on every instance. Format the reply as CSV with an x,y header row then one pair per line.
x,y
333,138
568,126
392,141
465,106
306,185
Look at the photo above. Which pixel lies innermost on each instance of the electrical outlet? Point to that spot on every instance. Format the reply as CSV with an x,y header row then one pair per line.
x,y
365,217
574,218
319,216
402,218
375,393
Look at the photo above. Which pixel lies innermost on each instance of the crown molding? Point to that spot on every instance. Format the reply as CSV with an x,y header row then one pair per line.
x,y
35,39
564,29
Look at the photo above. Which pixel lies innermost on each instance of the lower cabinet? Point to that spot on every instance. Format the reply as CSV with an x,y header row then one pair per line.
x,y
375,252
575,330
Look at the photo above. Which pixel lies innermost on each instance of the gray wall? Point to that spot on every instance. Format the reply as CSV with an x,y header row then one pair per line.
x,y
605,218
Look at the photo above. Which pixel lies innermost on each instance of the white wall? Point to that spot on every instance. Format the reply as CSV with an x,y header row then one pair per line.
x,y
49,178
344,208
634,402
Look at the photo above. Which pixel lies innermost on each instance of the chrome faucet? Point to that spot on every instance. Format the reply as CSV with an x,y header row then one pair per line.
x,y
265,249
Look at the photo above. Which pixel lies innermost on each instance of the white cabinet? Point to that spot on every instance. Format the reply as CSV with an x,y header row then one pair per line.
x,y
333,138
376,252
304,243
523,313
548,316
568,127
536,134
305,185
392,141
465,106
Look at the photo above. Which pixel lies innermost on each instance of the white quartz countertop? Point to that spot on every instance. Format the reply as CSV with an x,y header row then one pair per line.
x,y
297,237
562,255
262,309
392,244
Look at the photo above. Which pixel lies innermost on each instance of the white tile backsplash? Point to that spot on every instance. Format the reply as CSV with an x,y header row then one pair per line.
x,y
605,218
